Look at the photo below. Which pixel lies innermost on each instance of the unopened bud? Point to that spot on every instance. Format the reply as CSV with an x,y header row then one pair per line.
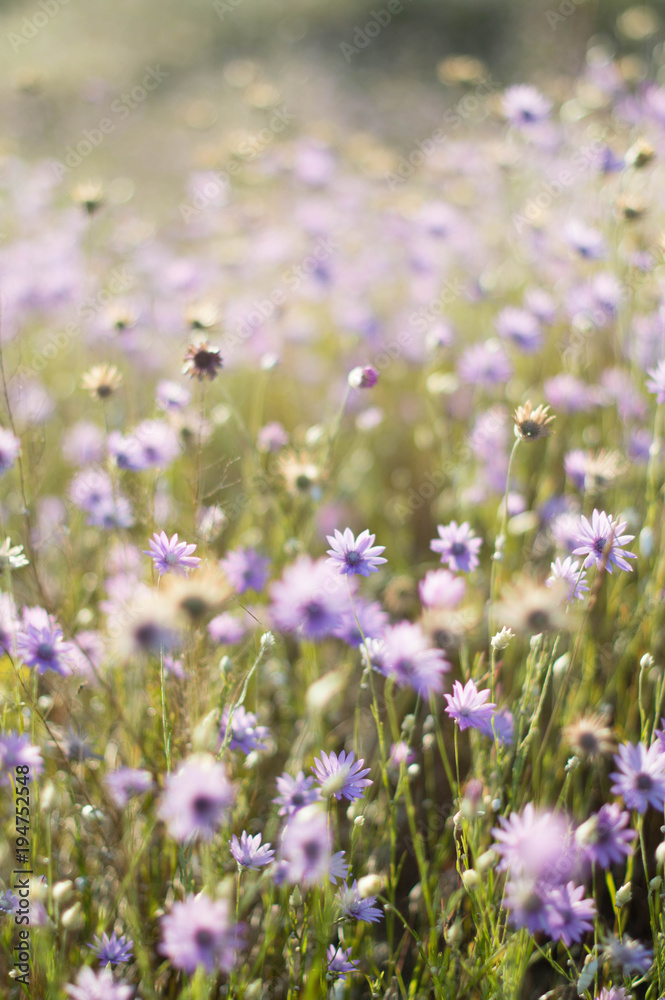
x,y
61,890
72,918
502,639
370,885
485,861
624,894
470,879
295,899
660,854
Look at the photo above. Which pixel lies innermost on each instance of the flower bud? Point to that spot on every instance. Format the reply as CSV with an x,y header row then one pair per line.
x,y
72,918
370,885
61,890
624,894
470,879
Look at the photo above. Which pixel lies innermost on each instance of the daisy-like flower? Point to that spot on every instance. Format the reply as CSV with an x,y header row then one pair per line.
x,y
603,838
190,599
112,950
249,852
170,555
201,315
89,194
532,608
571,915
127,782
245,569
339,962
11,556
590,736
17,751
656,383
469,707
404,654
97,985
530,424
355,907
613,993
295,793
305,846
42,646
199,932
9,449
601,540
441,589
626,954
308,599
338,868
202,361
352,555
102,381
536,845
525,106
302,477
526,903
457,546
568,569
246,735
640,779
341,776
196,799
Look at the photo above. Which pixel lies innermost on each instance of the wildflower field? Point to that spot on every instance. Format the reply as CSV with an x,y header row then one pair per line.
x,y
332,559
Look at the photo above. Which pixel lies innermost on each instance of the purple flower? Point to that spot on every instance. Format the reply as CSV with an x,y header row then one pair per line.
x,y
485,364
526,903
271,438
308,599
568,569
500,727
352,555
525,106
196,799
657,381
441,589
467,706
305,846
339,961
601,541
603,838
172,396
295,793
246,735
98,985
586,241
364,377
372,620
458,546
628,955
43,646
536,845
92,491
127,782
521,328
199,932
248,851
245,569
340,776
9,450
158,443
83,444
17,751
9,903
570,914
640,779
406,656
170,555
112,950
356,908
338,869
226,630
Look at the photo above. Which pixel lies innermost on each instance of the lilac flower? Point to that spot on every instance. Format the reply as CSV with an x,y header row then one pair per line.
x,y
601,541
9,903
246,735
271,438
92,491
126,782
400,753
458,546
441,589
640,779
341,776
613,993
466,705
112,950
245,569
500,727
17,751
170,555
158,443
338,869
406,656
172,396
586,241
44,647
225,629
521,328
526,903
352,555
98,985
9,450
305,846
568,569
372,620
525,106
570,914
657,381
199,932
603,838
627,954
364,377
536,845
485,364
339,962
356,908
83,444
575,464
308,599
196,799
249,852
8,623
295,793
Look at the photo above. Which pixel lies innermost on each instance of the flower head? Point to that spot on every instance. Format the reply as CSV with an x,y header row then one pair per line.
x,y
524,106
352,555
341,776
249,852
9,449
570,914
170,555
355,907
102,381
112,950
246,735
196,799
657,381
306,846
43,646
405,655
199,932
245,569
458,546
530,424
469,707
11,556
568,569
295,793
603,838
202,361
339,962
98,985
640,779
601,540
364,377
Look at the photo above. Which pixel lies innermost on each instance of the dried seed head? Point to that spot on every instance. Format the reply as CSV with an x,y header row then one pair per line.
x,y
102,381
202,361
530,424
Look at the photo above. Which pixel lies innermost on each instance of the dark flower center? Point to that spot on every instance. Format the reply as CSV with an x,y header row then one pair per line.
x,y
204,938
147,636
588,743
303,482
314,610
538,621
457,549
312,851
194,606
644,782
297,799
599,545
529,429
45,651
204,807
353,558
206,361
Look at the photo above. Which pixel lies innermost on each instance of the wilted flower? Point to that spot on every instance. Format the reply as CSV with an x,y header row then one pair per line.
x,y
202,361
102,381
530,424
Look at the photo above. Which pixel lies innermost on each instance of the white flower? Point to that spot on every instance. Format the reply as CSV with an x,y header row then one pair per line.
x,y
11,557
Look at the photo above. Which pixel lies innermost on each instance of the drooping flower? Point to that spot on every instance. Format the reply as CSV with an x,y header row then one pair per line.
x,y
351,555
601,540
640,779
530,424
341,775
458,546
469,707
196,799
112,950
199,932
249,852
355,907
170,555
102,381
339,962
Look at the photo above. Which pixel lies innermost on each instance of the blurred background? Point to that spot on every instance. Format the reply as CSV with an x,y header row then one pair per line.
x,y
66,61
